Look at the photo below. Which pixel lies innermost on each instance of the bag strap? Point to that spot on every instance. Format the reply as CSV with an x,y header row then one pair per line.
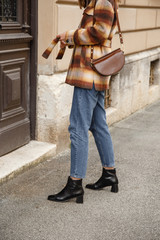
x,y
118,24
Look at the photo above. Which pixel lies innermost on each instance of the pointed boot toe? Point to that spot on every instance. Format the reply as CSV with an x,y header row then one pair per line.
x,y
52,197
92,186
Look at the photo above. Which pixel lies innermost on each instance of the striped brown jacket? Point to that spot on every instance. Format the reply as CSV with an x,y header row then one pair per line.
x,y
100,34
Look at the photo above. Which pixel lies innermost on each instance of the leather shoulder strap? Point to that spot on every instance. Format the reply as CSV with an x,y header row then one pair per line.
x,y
117,17
118,23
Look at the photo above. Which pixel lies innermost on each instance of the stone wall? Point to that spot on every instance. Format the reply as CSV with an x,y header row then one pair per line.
x,y
53,106
130,90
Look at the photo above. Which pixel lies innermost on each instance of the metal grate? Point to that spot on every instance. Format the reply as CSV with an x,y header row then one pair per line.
x,y
107,99
151,77
8,10
153,69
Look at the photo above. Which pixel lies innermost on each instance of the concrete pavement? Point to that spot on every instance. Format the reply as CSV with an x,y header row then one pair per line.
x,y
131,214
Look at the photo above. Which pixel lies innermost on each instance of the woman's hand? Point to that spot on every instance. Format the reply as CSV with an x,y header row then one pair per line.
x,y
62,39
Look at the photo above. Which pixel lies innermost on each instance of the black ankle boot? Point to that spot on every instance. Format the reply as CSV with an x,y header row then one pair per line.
x,y
73,189
108,178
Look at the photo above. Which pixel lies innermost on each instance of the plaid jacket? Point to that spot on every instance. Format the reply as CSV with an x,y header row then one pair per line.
x,y
100,34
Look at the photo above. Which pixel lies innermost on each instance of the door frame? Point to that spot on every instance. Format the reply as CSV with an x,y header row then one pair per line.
x,y
33,66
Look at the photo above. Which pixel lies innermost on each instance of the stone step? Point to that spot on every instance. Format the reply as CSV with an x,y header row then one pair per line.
x,y
24,158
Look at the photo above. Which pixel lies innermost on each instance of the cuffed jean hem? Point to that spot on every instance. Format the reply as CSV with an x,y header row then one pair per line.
x,y
76,176
109,166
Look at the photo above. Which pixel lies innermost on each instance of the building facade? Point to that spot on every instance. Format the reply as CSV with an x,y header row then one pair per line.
x,y
35,101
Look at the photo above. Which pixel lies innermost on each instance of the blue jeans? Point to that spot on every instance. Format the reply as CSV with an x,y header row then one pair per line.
x,y
88,113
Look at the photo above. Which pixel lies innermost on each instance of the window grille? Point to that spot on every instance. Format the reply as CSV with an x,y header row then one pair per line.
x,y
153,69
8,10
151,77
107,99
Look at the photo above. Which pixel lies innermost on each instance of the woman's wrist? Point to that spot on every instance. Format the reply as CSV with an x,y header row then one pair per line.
x,y
69,37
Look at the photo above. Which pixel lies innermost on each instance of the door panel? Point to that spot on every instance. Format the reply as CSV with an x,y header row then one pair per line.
x,y
14,75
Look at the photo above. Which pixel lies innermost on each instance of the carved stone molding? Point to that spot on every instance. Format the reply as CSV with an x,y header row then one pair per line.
x,y
18,37
10,26
16,50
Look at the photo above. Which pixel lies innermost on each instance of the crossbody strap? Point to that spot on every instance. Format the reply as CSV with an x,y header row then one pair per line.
x,y
118,24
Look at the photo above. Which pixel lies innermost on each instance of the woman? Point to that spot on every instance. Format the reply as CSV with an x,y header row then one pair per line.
x,y
96,30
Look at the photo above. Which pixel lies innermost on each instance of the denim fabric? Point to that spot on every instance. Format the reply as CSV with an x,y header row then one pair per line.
x,y
88,113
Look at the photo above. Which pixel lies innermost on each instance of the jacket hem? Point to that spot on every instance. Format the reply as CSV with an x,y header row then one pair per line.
x,y
80,84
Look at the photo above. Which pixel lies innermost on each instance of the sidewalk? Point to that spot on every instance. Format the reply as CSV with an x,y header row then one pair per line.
x,y
131,214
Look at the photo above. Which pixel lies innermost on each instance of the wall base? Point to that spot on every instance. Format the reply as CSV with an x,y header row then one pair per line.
x,y
130,91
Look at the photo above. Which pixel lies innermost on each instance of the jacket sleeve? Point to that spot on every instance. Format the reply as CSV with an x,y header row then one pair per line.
x,y
100,31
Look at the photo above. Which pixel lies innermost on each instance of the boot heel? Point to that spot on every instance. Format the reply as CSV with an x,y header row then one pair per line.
x,y
114,188
79,199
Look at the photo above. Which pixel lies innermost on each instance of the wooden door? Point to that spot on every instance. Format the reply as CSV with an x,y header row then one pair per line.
x,y
15,41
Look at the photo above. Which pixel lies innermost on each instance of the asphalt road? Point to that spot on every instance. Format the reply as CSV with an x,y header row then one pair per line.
x,y
131,214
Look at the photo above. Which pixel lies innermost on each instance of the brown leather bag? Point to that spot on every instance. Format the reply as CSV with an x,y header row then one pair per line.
x,y
112,62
